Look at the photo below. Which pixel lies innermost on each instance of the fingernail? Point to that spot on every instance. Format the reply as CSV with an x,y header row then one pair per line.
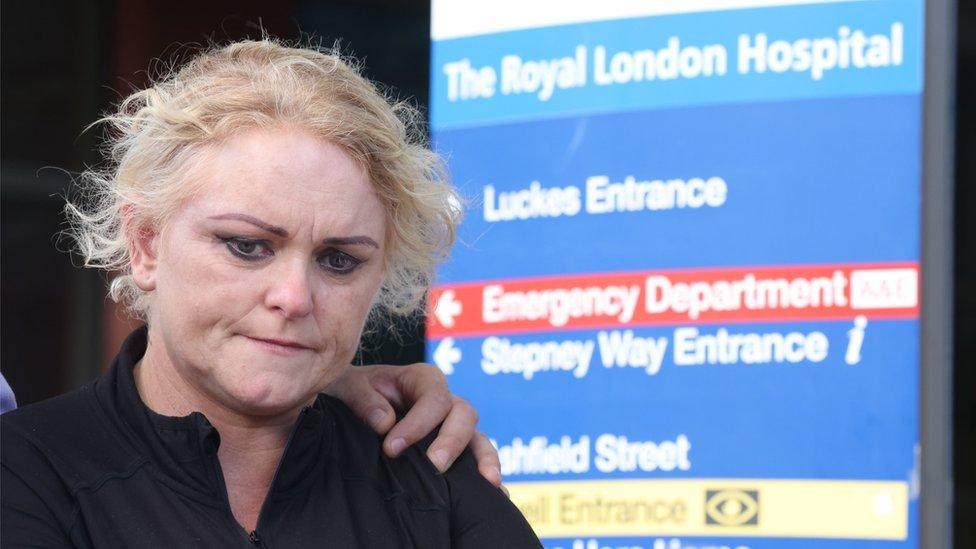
x,y
376,418
398,445
496,474
440,459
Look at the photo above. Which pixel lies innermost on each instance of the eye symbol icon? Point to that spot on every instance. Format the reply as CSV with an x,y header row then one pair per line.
x,y
732,507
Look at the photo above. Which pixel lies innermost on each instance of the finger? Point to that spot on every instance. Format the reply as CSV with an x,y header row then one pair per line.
x,y
385,379
417,380
421,391
429,409
486,455
355,391
455,434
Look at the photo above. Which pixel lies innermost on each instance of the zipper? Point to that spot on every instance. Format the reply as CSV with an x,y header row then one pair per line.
x,y
253,537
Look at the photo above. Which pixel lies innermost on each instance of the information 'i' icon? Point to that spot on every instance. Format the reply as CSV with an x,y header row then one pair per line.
x,y
855,338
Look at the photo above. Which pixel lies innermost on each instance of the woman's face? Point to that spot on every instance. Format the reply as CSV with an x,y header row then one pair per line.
x,y
262,281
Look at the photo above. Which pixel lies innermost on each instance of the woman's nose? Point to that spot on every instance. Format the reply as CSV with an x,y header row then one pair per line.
x,y
290,290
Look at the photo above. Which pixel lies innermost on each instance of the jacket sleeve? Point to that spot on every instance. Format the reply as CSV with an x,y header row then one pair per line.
x,y
32,497
482,516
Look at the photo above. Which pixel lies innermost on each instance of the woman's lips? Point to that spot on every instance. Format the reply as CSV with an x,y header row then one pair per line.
x,y
279,346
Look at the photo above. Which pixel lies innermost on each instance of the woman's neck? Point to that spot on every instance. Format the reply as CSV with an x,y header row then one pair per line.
x,y
250,447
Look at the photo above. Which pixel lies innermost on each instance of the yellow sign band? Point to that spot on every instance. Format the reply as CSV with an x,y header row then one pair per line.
x,y
858,509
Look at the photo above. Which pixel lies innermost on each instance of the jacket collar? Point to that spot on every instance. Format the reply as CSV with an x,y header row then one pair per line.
x,y
184,449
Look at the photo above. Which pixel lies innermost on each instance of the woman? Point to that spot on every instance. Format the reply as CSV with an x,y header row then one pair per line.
x,y
262,202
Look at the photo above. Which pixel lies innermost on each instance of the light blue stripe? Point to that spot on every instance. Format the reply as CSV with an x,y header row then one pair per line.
x,y
723,28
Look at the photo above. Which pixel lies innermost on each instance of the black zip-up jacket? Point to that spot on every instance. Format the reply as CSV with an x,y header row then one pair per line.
x,y
97,468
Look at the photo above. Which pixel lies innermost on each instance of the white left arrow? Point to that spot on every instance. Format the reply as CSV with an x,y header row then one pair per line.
x,y
446,355
447,308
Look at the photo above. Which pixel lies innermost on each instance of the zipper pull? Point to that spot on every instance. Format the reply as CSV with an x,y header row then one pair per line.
x,y
254,538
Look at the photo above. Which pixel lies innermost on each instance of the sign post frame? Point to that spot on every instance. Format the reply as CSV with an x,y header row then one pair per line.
x,y
936,506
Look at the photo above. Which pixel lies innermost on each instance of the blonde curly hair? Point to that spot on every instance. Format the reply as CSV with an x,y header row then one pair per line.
x,y
156,134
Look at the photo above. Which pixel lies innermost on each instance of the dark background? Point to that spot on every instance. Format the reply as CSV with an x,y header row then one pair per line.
x,y
62,63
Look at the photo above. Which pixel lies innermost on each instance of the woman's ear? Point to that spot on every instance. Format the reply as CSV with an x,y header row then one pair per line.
x,y
143,243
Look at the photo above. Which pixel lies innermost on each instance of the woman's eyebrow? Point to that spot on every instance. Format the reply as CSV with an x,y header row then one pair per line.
x,y
361,240
253,221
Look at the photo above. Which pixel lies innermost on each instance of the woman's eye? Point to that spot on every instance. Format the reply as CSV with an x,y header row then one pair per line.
x,y
339,262
246,248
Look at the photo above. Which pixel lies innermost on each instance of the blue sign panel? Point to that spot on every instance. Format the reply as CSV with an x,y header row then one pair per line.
x,y
685,296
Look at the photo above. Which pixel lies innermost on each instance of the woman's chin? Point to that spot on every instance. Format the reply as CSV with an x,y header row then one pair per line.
x,y
266,397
